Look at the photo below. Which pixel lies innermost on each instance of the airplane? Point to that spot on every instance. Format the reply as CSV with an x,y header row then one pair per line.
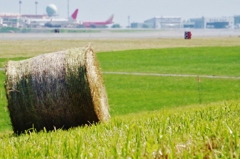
x,y
94,24
71,21
34,23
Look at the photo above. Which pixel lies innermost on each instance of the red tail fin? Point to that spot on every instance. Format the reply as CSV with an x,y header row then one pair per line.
x,y
110,19
74,15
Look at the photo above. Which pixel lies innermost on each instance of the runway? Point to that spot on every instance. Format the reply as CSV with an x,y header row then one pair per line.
x,y
122,34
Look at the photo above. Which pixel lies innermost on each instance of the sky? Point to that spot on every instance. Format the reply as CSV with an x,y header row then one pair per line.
x,y
135,10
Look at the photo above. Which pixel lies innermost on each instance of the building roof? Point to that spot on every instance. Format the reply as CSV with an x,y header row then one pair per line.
x,y
14,15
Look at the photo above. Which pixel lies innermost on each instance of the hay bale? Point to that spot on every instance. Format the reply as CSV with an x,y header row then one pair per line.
x,y
56,90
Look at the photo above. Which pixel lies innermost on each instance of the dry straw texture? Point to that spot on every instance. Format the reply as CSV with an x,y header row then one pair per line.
x,y
56,90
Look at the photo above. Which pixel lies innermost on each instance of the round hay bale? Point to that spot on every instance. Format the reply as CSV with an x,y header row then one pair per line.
x,y
56,90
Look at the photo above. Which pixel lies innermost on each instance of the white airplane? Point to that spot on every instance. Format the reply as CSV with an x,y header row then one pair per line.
x,y
33,23
50,21
63,22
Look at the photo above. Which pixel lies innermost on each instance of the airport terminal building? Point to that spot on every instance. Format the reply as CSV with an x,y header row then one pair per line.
x,y
237,21
17,20
9,19
175,22
210,23
164,22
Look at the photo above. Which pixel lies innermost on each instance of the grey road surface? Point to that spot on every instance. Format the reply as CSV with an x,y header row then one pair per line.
x,y
125,34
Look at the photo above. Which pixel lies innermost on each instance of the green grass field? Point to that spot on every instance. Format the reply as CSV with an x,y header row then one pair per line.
x,y
131,94
152,116
199,61
209,131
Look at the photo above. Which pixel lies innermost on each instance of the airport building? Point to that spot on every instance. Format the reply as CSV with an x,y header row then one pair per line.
x,y
17,20
9,19
206,22
164,22
237,21
27,20
139,25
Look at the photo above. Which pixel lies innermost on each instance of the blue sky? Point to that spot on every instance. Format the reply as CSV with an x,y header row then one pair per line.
x,y
138,10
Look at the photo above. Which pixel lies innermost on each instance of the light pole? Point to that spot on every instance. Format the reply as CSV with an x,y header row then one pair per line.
x,y
18,21
36,3
68,8
20,2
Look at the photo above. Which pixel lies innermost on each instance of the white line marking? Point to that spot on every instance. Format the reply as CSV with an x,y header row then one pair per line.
x,y
171,75
164,75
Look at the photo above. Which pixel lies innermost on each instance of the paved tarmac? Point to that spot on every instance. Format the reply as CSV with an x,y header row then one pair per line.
x,y
125,34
